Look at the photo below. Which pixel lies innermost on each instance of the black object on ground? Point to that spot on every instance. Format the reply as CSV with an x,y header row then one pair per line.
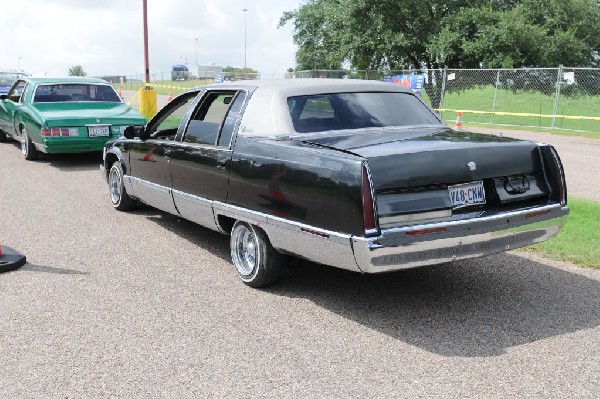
x,y
11,259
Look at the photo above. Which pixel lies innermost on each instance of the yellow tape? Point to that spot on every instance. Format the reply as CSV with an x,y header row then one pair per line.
x,y
571,117
168,87
133,98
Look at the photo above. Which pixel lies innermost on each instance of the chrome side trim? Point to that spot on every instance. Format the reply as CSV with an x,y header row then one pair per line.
x,y
152,194
375,255
308,242
129,186
195,209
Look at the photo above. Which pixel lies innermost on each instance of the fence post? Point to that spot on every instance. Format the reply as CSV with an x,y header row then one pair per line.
x,y
495,95
557,95
443,92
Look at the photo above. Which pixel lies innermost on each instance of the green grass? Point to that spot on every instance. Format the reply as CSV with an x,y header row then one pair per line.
x,y
579,240
530,102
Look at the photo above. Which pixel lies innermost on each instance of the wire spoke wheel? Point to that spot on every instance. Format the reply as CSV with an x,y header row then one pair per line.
x,y
24,143
116,189
115,182
244,251
256,261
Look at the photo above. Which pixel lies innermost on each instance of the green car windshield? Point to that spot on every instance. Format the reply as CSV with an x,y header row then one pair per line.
x,y
71,92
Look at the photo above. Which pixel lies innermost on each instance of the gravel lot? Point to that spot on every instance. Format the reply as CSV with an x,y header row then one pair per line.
x,y
144,304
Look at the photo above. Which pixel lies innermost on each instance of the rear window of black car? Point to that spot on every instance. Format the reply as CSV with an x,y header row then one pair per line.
x,y
51,93
339,111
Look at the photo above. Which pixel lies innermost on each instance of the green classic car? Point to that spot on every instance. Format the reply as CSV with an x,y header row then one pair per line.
x,y
63,115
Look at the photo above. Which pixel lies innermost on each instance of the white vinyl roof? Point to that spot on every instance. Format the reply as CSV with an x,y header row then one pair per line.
x,y
267,113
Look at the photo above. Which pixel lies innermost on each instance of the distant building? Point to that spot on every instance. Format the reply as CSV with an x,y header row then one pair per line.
x,y
209,71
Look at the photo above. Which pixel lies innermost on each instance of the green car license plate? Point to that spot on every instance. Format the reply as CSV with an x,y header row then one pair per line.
x,y
99,131
467,194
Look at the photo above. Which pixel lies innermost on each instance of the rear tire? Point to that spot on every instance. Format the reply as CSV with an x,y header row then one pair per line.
x,y
121,201
27,147
257,263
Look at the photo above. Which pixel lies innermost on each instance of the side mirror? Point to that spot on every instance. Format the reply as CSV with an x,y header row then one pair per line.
x,y
3,97
132,132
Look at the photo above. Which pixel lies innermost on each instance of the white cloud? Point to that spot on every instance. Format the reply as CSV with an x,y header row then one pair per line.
x,y
106,37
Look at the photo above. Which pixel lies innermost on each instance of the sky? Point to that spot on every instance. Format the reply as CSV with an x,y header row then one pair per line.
x,y
106,37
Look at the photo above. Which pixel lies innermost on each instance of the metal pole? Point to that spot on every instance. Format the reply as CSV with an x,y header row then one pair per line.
x,y
196,53
495,95
245,10
557,95
146,62
443,92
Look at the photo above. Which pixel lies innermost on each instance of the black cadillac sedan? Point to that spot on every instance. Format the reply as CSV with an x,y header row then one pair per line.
x,y
359,175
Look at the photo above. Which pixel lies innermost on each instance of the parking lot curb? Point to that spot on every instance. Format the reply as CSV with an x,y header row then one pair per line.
x,y
11,259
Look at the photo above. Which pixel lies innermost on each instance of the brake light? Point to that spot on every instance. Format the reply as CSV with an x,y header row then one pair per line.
x,y
536,214
60,132
426,231
561,176
369,211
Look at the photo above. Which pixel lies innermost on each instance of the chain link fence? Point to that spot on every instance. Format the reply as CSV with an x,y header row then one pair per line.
x,y
560,98
548,98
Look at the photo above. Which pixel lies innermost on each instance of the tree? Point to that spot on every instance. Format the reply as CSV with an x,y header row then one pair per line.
x,y
76,70
239,70
433,34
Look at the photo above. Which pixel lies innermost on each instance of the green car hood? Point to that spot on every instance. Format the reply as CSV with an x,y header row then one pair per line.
x,y
86,113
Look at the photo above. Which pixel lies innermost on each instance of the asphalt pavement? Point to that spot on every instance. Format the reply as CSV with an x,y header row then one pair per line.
x,y
145,304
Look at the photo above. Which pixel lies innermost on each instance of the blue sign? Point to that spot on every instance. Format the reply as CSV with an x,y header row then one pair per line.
x,y
414,82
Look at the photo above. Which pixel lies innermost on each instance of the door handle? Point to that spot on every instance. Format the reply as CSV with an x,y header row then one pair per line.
x,y
221,164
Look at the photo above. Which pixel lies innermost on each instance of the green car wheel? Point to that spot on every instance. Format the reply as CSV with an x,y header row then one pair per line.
x,y
27,147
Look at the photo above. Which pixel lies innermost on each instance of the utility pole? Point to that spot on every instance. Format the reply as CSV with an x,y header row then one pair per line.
x,y
245,10
146,61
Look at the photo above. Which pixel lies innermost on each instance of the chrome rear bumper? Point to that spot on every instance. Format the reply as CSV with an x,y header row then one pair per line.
x,y
408,247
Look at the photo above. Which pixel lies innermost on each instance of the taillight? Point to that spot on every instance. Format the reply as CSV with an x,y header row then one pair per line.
x,y
60,132
369,210
561,177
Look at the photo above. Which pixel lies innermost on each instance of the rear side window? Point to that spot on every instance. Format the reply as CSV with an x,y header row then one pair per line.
x,y
340,111
17,91
205,125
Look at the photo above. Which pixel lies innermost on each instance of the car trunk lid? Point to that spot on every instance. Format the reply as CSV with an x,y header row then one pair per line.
x,y
416,173
75,114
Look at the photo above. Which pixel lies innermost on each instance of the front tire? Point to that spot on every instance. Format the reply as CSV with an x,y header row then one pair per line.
x,y
121,201
257,263
27,147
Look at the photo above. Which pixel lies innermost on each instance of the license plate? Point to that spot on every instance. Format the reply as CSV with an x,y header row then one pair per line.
x,y
98,131
467,194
